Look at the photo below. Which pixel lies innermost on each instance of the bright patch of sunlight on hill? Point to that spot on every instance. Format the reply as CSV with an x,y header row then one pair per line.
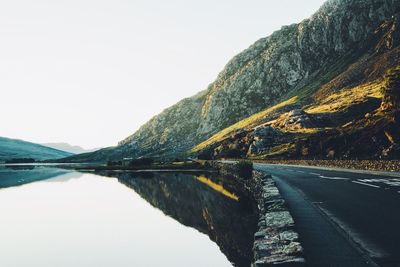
x,y
345,98
243,124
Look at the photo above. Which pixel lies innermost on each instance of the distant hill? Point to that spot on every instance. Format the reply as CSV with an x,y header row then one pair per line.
x,y
69,148
14,148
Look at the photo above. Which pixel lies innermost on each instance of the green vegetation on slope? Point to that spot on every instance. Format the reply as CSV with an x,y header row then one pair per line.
x,y
13,148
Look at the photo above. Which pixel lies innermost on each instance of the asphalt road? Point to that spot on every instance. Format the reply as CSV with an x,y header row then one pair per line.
x,y
343,218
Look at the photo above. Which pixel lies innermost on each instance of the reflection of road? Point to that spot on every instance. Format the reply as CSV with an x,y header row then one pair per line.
x,y
363,208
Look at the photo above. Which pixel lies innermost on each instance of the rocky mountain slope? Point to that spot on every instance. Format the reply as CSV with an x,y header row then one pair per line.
x,y
13,148
360,122
345,44
353,115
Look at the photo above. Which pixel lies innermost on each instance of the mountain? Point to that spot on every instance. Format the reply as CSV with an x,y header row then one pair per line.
x,y
344,48
14,148
359,122
69,148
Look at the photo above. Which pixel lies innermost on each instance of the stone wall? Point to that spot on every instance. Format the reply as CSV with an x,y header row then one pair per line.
x,y
276,242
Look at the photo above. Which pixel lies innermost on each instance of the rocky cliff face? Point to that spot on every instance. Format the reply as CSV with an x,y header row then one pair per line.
x,y
295,60
290,59
355,114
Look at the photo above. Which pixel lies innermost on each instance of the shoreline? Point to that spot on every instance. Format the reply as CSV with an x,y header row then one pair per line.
x,y
90,167
389,166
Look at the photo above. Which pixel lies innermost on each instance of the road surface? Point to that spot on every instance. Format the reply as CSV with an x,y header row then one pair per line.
x,y
343,218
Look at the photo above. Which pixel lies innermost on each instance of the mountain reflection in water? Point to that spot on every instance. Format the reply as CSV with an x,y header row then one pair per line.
x,y
15,175
59,213
213,207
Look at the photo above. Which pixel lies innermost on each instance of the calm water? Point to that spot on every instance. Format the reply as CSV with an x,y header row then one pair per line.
x,y
53,217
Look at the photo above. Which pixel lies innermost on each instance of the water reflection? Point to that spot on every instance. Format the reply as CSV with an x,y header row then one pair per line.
x,y
15,175
64,218
206,203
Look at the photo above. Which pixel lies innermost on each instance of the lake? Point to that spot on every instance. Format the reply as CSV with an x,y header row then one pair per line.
x,y
55,217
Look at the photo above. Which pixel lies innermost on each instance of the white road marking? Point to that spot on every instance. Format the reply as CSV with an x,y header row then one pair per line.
x,y
376,186
333,178
315,173
387,181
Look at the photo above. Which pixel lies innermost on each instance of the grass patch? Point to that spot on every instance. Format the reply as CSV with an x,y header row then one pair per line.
x,y
305,130
280,149
339,101
243,124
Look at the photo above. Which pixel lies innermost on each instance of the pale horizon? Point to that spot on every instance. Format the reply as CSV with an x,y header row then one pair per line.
x,y
90,73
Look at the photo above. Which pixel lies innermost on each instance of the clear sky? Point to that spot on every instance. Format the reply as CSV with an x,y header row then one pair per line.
x,y
91,72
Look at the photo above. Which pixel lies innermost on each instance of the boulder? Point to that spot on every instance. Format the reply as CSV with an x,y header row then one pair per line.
x,y
293,120
264,137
